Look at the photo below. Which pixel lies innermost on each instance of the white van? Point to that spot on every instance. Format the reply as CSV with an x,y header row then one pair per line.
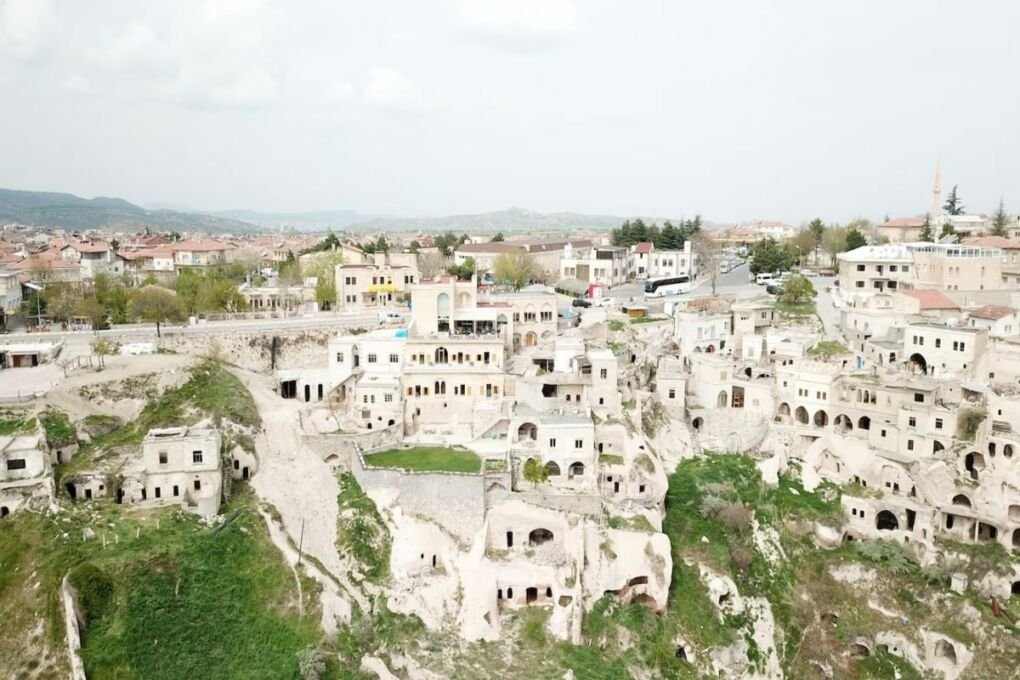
x,y
765,278
389,316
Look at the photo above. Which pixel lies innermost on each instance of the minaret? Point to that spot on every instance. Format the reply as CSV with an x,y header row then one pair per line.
x,y
936,201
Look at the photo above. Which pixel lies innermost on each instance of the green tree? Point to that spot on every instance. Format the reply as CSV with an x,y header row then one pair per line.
x,y
855,239
448,242
103,347
464,271
62,301
415,247
926,234
796,290
1001,221
382,245
325,292
768,255
709,255
498,237
535,472
953,204
515,268
94,311
834,242
157,305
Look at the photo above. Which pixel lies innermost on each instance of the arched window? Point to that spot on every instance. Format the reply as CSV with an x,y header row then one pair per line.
x,y
552,469
864,423
442,356
576,469
443,305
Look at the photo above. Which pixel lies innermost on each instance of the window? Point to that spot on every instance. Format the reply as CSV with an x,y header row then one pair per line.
x,y
912,421
938,342
364,399
529,316
388,398
517,317
604,373
860,284
672,394
905,268
919,397
963,346
339,357
956,346
883,433
162,457
16,464
938,423
196,456
546,316
892,267
910,445
371,358
177,490
860,267
578,443
198,485
552,443
394,358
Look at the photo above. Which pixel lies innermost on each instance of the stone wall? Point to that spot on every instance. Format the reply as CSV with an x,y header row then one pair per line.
x,y
581,504
71,616
453,500
252,350
344,445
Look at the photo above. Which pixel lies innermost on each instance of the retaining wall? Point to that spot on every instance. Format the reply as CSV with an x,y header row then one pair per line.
x,y
344,445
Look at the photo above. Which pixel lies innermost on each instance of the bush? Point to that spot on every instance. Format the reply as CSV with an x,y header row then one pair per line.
x,y
95,591
735,516
311,663
741,557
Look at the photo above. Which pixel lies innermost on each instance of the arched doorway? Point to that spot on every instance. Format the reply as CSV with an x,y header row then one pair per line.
x,y
960,499
539,536
527,431
864,423
530,339
886,521
801,415
974,464
552,469
697,423
576,469
918,363
843,423
784,409
821,419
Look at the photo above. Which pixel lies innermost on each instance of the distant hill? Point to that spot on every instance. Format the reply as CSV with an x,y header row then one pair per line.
x,y
302,221
509,220
49,209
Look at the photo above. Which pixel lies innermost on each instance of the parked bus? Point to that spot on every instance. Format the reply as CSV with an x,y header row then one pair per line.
x,y
670,285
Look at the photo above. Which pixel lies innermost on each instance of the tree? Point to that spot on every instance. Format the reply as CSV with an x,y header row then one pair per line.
x,y
449,241
953,204
95,312
1001,221
805,241
535,472
768,255
817,227
432,264
102,347
855,239
834,242
157,305
498,237
465,270
325,292
926,234
515,268
709,255
62,301
796,290
415,247
948,229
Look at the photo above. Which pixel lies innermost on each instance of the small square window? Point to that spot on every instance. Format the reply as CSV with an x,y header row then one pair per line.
x,y
196,456
578,443
912,421
938,423
162,458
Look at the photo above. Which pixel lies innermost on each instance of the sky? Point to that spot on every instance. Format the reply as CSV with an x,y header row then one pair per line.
x,y
734,110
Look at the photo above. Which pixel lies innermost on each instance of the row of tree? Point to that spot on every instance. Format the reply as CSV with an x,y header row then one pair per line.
x,y
667,237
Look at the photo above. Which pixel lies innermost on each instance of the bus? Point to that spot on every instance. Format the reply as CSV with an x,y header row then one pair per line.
x,y
670,285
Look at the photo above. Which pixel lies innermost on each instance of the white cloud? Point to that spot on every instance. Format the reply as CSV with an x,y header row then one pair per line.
x,y
77,84
24,26
518,22
138,49
383,88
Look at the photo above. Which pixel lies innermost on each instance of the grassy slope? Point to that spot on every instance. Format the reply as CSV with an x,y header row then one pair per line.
x,y
427,458
186,602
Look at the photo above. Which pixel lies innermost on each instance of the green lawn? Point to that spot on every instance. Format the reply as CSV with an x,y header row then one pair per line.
x,y
427,459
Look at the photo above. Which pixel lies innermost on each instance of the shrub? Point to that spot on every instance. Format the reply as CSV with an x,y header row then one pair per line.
x,y
311,663
95,591
741,557
735,516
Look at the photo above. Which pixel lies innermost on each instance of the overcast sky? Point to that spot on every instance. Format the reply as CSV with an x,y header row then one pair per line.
x,y
735,110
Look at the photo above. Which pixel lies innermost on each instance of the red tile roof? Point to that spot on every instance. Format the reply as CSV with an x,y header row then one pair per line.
x,y
643,248
992,242
93,247
992,312
193,246
931,299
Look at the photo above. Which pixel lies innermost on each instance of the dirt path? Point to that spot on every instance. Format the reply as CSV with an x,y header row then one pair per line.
x,y
301,487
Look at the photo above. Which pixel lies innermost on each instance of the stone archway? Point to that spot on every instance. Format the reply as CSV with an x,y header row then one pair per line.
x,y
919,363
539,536
886,521
801,415
821,418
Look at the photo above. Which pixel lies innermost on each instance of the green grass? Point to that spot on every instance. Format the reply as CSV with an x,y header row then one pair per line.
x,y
610,459
13,423
361,532
427,459
58,428
616,325
828,348
180,601
799,309
649,319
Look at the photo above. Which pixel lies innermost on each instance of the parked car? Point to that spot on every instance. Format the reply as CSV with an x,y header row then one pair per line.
x,y
604,302
773,288
580,302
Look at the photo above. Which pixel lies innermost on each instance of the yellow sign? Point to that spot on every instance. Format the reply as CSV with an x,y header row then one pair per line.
x,y
382,288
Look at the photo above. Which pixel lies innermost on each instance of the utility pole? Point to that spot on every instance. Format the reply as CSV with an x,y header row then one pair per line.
x,y
301,542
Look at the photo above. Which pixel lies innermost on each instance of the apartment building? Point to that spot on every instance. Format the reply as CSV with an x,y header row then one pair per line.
x,y
954,266
608,265
939,350
1001,321
202,254
365,285
546,253
874,269
94,257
